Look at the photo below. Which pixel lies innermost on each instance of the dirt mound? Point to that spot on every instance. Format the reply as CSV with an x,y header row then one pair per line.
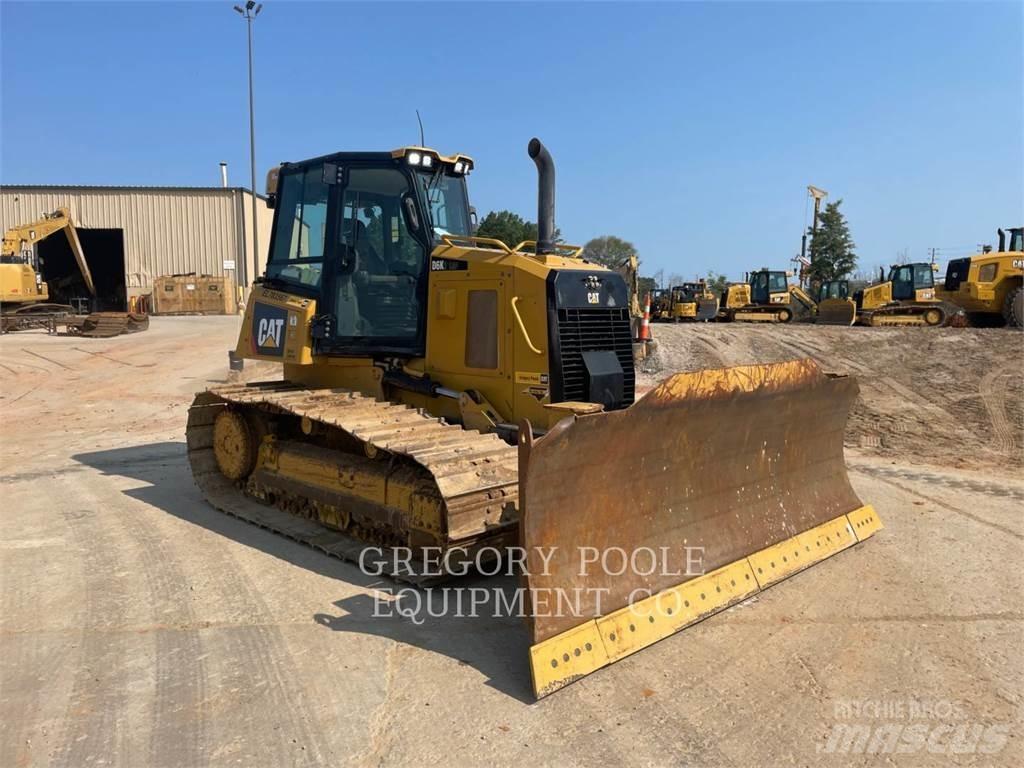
x,y
948,396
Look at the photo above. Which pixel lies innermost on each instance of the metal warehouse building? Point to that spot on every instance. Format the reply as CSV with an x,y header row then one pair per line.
x,y
131,235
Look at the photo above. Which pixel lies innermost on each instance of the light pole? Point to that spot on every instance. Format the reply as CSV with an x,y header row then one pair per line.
x,y
249,13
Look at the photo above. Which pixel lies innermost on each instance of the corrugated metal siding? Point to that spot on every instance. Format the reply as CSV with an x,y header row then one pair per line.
x,y
166,231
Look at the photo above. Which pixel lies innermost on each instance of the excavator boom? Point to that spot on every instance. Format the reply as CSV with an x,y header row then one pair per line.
x,y
21,238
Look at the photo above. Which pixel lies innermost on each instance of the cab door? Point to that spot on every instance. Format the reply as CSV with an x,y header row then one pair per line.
x,y
903,283
759,289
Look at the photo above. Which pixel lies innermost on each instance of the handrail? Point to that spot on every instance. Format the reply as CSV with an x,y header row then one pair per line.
x,y
448,239
577,250
522,327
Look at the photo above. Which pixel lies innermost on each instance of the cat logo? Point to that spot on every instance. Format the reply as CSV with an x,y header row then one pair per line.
x,y
268,329
269,332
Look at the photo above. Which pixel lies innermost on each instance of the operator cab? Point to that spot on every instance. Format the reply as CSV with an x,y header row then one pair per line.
x,y
355,232
690,291
766,282
908,279
834,289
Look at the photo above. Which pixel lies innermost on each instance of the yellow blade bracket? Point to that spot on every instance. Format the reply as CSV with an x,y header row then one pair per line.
x,y
712,487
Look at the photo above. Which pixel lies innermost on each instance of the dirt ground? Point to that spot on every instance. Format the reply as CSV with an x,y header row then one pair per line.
x,y
953,397
140,627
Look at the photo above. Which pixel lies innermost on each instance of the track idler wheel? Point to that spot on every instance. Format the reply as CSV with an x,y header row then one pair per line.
x,y
934,316
234,445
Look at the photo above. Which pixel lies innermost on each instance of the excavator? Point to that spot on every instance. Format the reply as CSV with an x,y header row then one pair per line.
x,y
989,286
685,302
456,397
24,295
766,297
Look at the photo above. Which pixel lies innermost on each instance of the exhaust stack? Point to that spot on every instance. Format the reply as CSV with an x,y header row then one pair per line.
x,y
545,196
224,175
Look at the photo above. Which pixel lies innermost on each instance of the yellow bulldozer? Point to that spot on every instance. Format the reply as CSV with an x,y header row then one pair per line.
x,y
25,296
906,297
687,302
988,286
460,397
835,301
766,297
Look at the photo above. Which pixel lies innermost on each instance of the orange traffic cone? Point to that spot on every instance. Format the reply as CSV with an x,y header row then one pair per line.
x,y
645,323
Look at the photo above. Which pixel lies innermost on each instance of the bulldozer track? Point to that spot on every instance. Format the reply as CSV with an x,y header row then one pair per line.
x,y
986,487
475,474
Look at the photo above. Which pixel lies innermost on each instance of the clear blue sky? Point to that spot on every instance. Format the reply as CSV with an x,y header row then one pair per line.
x,y
690,129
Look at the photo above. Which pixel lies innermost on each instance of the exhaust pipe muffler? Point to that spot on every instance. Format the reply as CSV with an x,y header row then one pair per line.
x,y
545,196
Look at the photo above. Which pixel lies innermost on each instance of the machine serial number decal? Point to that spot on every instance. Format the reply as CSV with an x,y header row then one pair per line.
x,y
525,377
448,265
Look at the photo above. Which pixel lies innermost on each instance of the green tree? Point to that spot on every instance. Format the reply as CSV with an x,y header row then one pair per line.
x,y
644,286
831,248
510,228
608,250
716,282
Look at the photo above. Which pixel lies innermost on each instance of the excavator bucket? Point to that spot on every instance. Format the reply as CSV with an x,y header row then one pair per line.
x,y
837,312
723,482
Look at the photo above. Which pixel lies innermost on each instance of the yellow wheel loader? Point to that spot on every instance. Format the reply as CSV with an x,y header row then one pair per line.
x,y
454,396
24,296
906,297
766,297
989,286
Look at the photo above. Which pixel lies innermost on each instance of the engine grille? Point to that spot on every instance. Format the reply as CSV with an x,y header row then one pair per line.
x,y
593,329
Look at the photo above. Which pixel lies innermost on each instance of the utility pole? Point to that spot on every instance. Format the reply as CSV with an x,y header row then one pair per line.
x,y
249,13
818,195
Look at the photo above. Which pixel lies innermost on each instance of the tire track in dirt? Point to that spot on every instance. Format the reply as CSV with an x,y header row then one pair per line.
x,y
993,398
26,662
253,655
178,664
942,503
88,730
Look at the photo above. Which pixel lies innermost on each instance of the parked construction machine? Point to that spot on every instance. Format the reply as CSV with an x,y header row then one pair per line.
x,y
766,297
686,302
906,297
24,295
835,303
444,394
988,286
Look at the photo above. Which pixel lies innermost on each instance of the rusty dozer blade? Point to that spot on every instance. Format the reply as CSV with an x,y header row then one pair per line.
x,y
715,485
837,312
707,309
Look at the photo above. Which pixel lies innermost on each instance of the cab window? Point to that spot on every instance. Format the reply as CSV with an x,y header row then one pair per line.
x,y
449,206
924,276
380,263
297,253
777,282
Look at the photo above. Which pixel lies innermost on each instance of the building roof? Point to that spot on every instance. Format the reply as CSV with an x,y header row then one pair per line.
x,y
117,188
